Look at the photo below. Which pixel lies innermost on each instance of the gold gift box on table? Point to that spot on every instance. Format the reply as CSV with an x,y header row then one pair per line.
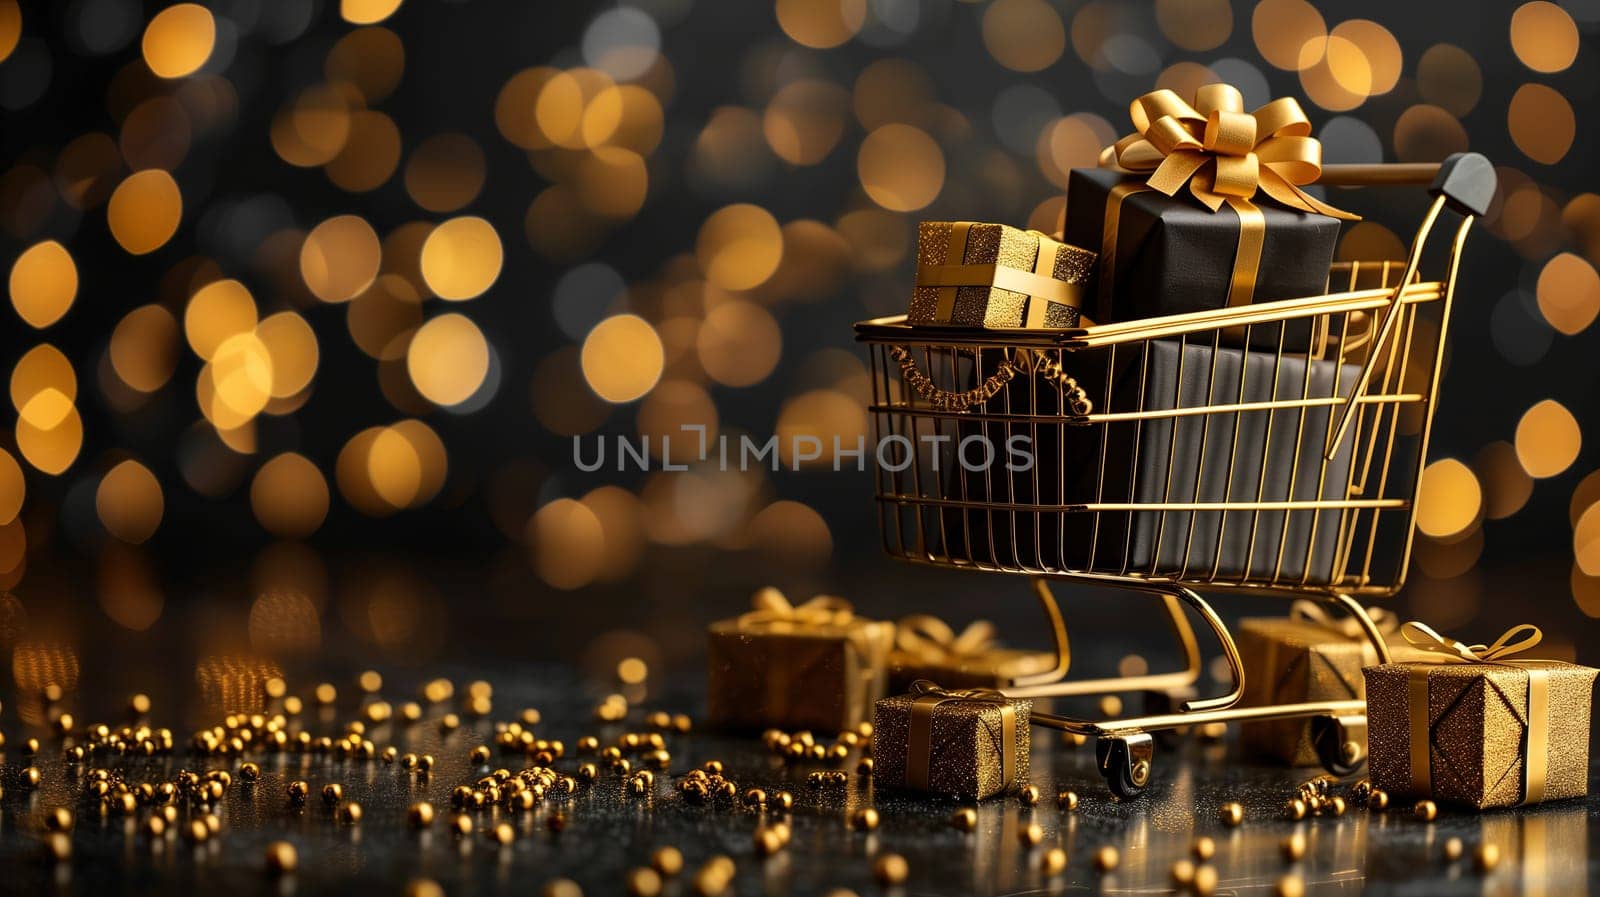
x,y
1306,657
1475,727
816,666
926,647
962,743
974,274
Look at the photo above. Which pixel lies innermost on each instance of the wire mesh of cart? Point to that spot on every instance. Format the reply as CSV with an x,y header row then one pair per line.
x,y
1274,448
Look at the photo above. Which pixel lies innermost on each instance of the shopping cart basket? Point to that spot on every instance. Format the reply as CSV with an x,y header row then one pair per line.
x,y
1273,448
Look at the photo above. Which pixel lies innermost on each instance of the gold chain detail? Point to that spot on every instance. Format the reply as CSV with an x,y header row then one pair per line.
x,y
944,400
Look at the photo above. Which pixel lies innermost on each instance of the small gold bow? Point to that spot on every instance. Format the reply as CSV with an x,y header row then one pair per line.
x,y
1221,151
919,734
1513,641
771,606
932,640
1307,611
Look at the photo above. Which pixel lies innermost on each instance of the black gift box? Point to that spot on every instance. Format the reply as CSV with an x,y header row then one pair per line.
x,y
1174,255
1248,456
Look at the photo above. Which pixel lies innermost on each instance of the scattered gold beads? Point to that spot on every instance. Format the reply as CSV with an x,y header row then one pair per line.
x,y
1378,800
282,858
1485,858
504,834
1335,805
1290,886
667,860
1454,849
1295,809
783,800
864,767
1053,861
196,832
964,819
891,869
864,819
1029,795
424,887
298,791
1294,847
332,793
420,814
1425,810
350,812
479,755
249,772
59,847
1031,835
461,824
1182,874
1230,814
755,797
1067,800
644,882
1203,849
1205,881
29,778
767,841
1106,859
58,820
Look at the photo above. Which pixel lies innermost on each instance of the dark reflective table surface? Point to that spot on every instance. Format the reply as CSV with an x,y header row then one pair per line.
x,y
607,832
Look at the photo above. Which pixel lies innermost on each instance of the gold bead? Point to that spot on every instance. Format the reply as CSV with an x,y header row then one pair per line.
x,y
196,831
58,820
1067,800
1485,858
644,882
479,755
1290,886
60,846
249,772
767,842
864,766
282,858
783,800
1425,810
1361,790
1453,849
1204,849
425,763
449,723
864,819
461,823
1053,861
1294,847
1029,795
30,778
332,793
755,797
423,887
1182,874
727,790
1030,835
891,869
1205,881
667,860
155,826
1295,808
420,814
350,812
1106,859
1378,799
561,887
964,819
1230,814
1335,805
504,834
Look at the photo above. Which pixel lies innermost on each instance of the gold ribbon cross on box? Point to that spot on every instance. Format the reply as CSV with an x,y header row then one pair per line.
x,y
919,737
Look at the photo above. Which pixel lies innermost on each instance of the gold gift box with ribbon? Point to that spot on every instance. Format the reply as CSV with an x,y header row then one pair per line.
x,y
927,647
964,743
813,666
1477,726
1307,656
989,275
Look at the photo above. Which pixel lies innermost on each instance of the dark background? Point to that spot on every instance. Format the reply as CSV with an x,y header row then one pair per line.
x,y
462,574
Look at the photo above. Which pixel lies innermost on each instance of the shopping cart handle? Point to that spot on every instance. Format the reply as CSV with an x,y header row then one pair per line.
x,y
1466,181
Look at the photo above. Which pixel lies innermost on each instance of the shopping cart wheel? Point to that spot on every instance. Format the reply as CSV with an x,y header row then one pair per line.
x,y
1125,762
1340,742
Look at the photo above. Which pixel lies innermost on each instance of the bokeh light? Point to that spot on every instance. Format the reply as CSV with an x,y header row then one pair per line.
x,y
445,172
292,347
1449,499
367,12
44,282
461,258
1548,439
739,246
568,543
1569,293
1542,123
1282,28
622,358
448,359
130,502
901,167
217,311
1544,36
739,343
1023,35
179,40
821,24
289,496
144,211
1195,25
340,258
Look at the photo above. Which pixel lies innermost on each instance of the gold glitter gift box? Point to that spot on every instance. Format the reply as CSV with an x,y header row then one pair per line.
x,y
815,666
963,743
994,276
1305,657
1476,727
926,647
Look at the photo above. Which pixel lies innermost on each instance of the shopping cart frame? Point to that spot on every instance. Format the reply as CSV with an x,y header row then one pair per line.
x,y
1464,183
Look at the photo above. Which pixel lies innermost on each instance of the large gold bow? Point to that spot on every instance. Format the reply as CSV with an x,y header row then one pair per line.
x,y
1222,152
1305,610
932,640
772,608
1513,641
919,734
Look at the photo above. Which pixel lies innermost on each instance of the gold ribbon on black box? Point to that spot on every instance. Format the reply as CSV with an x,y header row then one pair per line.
x,y
919,739
991,275
1225,156
1476,724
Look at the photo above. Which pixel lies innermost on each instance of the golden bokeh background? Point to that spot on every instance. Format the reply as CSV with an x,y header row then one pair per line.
x,y
312,297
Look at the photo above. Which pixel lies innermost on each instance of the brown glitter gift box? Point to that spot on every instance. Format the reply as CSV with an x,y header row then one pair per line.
x,y
973,274
1477,728
926,647
963,743
1305,657
812,666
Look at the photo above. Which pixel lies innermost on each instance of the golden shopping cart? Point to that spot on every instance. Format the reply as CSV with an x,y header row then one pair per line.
x,y
1273,448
